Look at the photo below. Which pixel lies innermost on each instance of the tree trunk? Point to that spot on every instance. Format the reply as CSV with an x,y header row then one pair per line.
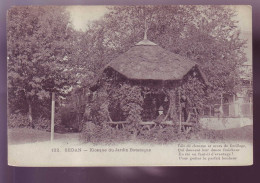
x,y
172,105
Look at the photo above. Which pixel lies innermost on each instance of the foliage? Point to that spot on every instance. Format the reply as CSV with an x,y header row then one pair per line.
x,y
68,116
18,121
45,54
43,124
38,49
160,135
168,134
130,101
117,102
208,35
104,134
195,91
99,107
22,121
199,133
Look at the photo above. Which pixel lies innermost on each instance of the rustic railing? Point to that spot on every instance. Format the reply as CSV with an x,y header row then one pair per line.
x,y
170,123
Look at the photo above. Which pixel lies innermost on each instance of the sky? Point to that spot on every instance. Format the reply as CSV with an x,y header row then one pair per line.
x,y
82,15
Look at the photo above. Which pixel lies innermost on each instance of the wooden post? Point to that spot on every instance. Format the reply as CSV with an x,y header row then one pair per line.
x,y
179,93
250,106
221,110
52,115
221,99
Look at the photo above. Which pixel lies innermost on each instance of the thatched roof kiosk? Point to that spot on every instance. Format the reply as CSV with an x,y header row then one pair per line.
x,y
148,65
146,62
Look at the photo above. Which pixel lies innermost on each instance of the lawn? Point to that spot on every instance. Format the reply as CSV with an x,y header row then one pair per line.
x,y
26,135
241,134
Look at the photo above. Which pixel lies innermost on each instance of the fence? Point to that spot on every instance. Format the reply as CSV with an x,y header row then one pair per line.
x,y
235,109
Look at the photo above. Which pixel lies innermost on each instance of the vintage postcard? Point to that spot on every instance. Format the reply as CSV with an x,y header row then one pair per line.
x,y
130,85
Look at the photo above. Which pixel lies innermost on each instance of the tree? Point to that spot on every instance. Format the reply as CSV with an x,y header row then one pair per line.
x,y
208,35
38,49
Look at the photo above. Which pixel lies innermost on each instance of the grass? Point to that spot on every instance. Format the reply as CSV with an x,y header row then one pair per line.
x,y
240,134
26,135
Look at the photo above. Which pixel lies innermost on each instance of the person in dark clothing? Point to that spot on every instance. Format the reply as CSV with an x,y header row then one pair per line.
x,y
184,107
159,118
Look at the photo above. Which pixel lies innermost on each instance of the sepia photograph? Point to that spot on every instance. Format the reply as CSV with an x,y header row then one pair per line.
x,y
124,85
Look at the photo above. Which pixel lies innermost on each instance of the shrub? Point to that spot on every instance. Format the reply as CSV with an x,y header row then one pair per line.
x,y
130,101
18,121
95,133
212,135
22,121
162,134
169,134
42,124
106,134
68,117
199,133
97,109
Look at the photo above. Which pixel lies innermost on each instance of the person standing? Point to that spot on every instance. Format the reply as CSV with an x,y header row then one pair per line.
x,y
185,107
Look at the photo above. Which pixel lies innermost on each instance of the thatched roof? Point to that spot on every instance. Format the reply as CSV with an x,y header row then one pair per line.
x,y
148,61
